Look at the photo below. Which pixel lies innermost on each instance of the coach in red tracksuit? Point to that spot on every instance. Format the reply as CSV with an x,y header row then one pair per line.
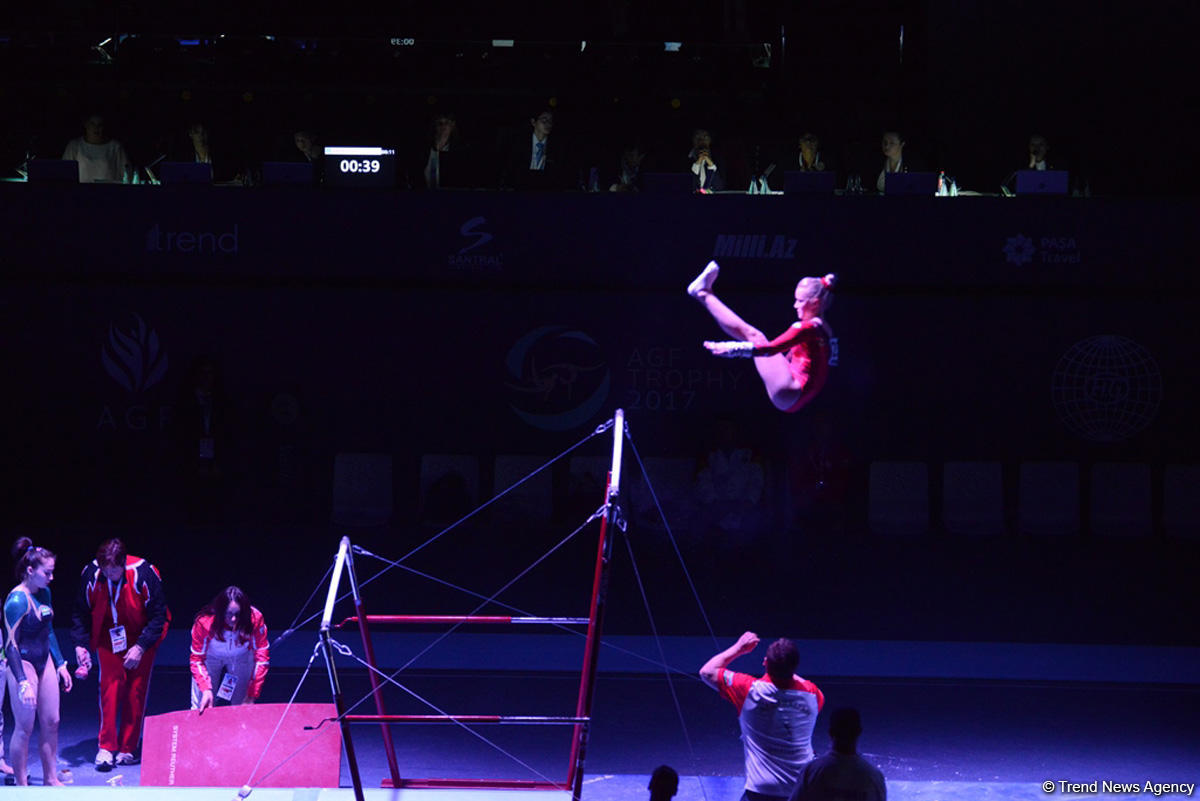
x,y
121,612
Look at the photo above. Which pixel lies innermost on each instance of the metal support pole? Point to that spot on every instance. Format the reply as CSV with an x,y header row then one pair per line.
x,y
340,705
591,654
360,610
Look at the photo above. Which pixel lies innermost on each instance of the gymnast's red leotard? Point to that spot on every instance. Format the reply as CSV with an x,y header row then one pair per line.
x,y
806,347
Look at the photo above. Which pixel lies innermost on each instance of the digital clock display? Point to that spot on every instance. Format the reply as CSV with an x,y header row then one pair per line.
x,y
360,166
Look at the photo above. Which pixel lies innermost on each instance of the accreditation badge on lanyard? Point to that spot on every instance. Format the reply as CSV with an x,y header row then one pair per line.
x,y
228,684
117,632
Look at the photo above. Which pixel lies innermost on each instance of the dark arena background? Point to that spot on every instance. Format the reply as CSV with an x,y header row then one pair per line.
x,y
983,533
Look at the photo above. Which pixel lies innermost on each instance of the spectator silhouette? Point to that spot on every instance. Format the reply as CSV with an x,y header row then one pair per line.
x,y
841,774
203,424
664,783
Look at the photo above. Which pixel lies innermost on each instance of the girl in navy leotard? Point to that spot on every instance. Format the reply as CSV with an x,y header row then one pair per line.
x,y
35,663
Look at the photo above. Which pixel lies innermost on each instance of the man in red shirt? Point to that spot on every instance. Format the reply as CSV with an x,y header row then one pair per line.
x,y
121,612
776,713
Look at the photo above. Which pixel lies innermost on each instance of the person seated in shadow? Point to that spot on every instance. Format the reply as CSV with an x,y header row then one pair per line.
x,y
664,783
1037,158
534,158
706,173
628,174
842,773
895,159
1039,148
101,158
306,142
203,435
446,163
198,147
810,158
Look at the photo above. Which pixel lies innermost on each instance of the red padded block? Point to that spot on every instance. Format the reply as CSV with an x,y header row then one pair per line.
x,y
222,746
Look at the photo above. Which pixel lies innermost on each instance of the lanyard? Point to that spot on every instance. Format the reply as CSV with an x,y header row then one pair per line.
x,y
112,597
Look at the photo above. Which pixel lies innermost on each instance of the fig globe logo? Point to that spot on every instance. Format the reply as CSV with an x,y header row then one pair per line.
x,y
559,378
1106,388
135,358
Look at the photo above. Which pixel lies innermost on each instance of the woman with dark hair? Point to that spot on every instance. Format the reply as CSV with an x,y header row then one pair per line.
x,y
445,161
793,366
35,663
229,651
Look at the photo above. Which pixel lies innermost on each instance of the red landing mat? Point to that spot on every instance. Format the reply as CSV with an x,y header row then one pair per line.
x,y
222,746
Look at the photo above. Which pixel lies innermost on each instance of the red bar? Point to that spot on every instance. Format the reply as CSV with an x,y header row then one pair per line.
x,y
422,718
499,784
516,719
430,619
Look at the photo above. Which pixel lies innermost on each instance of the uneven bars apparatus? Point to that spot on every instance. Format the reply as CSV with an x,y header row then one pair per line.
x,y
581,720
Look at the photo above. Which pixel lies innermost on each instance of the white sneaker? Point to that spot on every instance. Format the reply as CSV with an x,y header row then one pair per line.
x,y
704,280
104,760
126,758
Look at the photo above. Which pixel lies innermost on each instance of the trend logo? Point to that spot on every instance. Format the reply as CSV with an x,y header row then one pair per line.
x,y
1018,250
134,359
559,378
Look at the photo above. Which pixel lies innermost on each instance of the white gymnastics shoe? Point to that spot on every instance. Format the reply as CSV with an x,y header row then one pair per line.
x,y
704,281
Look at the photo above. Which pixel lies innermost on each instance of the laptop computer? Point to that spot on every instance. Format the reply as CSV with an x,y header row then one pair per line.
x,y
184,172
673,183
910,183
275,173
796,182
1042,182
53,170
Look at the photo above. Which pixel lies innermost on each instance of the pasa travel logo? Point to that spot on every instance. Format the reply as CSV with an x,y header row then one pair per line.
x,y
1018,250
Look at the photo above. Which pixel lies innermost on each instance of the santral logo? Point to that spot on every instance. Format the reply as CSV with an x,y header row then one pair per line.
x,y
477,238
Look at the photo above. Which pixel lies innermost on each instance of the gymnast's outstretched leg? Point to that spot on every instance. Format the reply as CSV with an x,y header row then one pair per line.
x,y
731,323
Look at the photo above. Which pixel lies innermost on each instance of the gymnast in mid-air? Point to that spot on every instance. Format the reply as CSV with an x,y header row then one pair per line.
x,y
795,364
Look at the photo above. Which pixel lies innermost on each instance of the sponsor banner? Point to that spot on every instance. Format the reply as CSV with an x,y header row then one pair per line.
x,y
583,240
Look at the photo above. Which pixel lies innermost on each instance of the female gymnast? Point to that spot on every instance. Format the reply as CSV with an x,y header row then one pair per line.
x,y
35,663
794,365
